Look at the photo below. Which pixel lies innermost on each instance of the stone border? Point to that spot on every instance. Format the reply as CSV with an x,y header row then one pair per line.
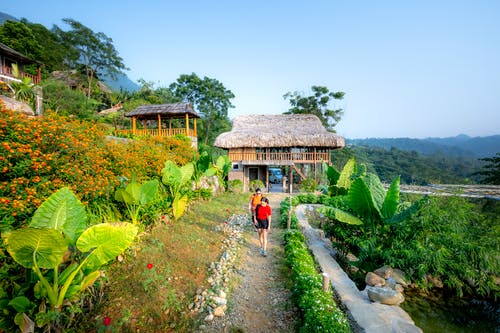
x,y
370,317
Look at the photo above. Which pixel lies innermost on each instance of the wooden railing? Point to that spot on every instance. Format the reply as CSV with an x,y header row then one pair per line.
x,y
155,132
270,156
5,70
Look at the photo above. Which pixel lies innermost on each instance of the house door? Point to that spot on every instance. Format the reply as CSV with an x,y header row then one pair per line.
x,y
253,174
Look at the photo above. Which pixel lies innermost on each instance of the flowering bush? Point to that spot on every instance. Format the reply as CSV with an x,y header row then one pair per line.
x,y
40,155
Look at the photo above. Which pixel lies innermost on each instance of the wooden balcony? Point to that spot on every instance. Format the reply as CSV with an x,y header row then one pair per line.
x,y
156,132
280,158
7,72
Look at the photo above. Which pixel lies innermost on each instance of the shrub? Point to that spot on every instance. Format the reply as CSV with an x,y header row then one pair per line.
x,y
308,185
235,186
255,184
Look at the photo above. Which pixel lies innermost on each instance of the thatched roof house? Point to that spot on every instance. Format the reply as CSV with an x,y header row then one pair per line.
x,y
258,144
282,130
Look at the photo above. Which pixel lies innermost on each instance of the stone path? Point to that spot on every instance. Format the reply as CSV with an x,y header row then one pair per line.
x,y
260,302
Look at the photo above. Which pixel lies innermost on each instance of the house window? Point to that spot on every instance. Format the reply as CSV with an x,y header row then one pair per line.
x,y
236,166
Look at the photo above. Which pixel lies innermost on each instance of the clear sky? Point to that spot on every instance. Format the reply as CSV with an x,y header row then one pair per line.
x,y
422,68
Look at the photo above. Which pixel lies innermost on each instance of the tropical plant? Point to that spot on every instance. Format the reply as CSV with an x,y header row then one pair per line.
x,y
63,253
177,180
137,196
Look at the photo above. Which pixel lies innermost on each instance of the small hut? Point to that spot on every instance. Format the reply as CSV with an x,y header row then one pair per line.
x,y
164,120
290,142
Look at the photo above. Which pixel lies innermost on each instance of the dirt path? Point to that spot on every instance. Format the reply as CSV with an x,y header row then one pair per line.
x,y
261,301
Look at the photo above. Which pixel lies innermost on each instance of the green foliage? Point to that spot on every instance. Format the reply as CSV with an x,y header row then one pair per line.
x,y
491,171
210,98
137,196
60,98
308,185
320,314
317,104
57,233
235,186
177,180
255,184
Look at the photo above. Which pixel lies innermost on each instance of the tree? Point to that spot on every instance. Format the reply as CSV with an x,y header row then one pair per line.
x,y
20,37
210,98
96,53
491,171
318,104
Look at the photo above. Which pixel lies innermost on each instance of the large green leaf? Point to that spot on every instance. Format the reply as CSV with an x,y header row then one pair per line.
x,y
105,241
348,170
149,191
391,201
360,199
46,246
332,174
171,174
134,190
187,171
179,206
64,212
407,212
21,304
376,189
204,162
341,215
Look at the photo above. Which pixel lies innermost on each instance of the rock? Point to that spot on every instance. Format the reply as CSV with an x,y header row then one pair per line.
x,y
220,311
391,283
220,300
400,277
210,317
384,295
400,326
374,280
384,271
17,106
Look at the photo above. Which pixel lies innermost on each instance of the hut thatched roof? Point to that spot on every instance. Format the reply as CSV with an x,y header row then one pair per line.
x,y
175,110
283,130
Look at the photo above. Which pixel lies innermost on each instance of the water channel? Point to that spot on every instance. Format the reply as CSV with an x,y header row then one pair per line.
x,y
439,312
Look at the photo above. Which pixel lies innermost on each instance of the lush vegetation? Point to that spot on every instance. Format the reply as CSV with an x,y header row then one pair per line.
x,y
438,241
320,314
97,182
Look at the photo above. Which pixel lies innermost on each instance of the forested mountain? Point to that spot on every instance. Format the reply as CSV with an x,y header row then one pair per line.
x,y
4,17
413,167
458,146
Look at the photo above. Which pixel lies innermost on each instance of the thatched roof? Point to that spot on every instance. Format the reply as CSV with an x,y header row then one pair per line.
x,y
176,110
283,130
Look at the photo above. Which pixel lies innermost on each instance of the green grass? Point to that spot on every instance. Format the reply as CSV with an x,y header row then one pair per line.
x,y
156,300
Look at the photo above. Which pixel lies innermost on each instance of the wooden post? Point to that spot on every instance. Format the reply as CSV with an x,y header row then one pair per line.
x,y
170,127
187,125
195,134
289,221
326,282
159,125
134,125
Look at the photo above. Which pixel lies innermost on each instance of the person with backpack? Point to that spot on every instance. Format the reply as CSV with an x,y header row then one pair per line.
x,y
255,200
262,221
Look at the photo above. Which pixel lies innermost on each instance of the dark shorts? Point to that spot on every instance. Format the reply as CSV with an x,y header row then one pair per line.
x,y
262,224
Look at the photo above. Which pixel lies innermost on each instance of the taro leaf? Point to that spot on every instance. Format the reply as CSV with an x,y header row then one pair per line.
x,y
149,191
171,173
340,215
391,201
48,246
105,241
179,206
376,189
360,199
187,171
349,169
134,190
332,174
64,212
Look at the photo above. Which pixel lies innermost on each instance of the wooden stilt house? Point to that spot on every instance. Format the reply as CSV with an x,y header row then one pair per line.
x,y
297,144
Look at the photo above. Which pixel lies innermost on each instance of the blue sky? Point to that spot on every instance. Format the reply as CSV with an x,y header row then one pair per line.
x,y
414,69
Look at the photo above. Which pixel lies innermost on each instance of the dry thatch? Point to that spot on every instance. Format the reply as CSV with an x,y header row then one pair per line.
x,y
259,131
176,110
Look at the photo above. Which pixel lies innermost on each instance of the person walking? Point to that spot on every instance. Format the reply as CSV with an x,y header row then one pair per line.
x,y
255,200
262,221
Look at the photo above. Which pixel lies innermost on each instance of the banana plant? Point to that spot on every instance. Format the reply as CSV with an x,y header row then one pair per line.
x,y
340,182
178,181
58,231
137,196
